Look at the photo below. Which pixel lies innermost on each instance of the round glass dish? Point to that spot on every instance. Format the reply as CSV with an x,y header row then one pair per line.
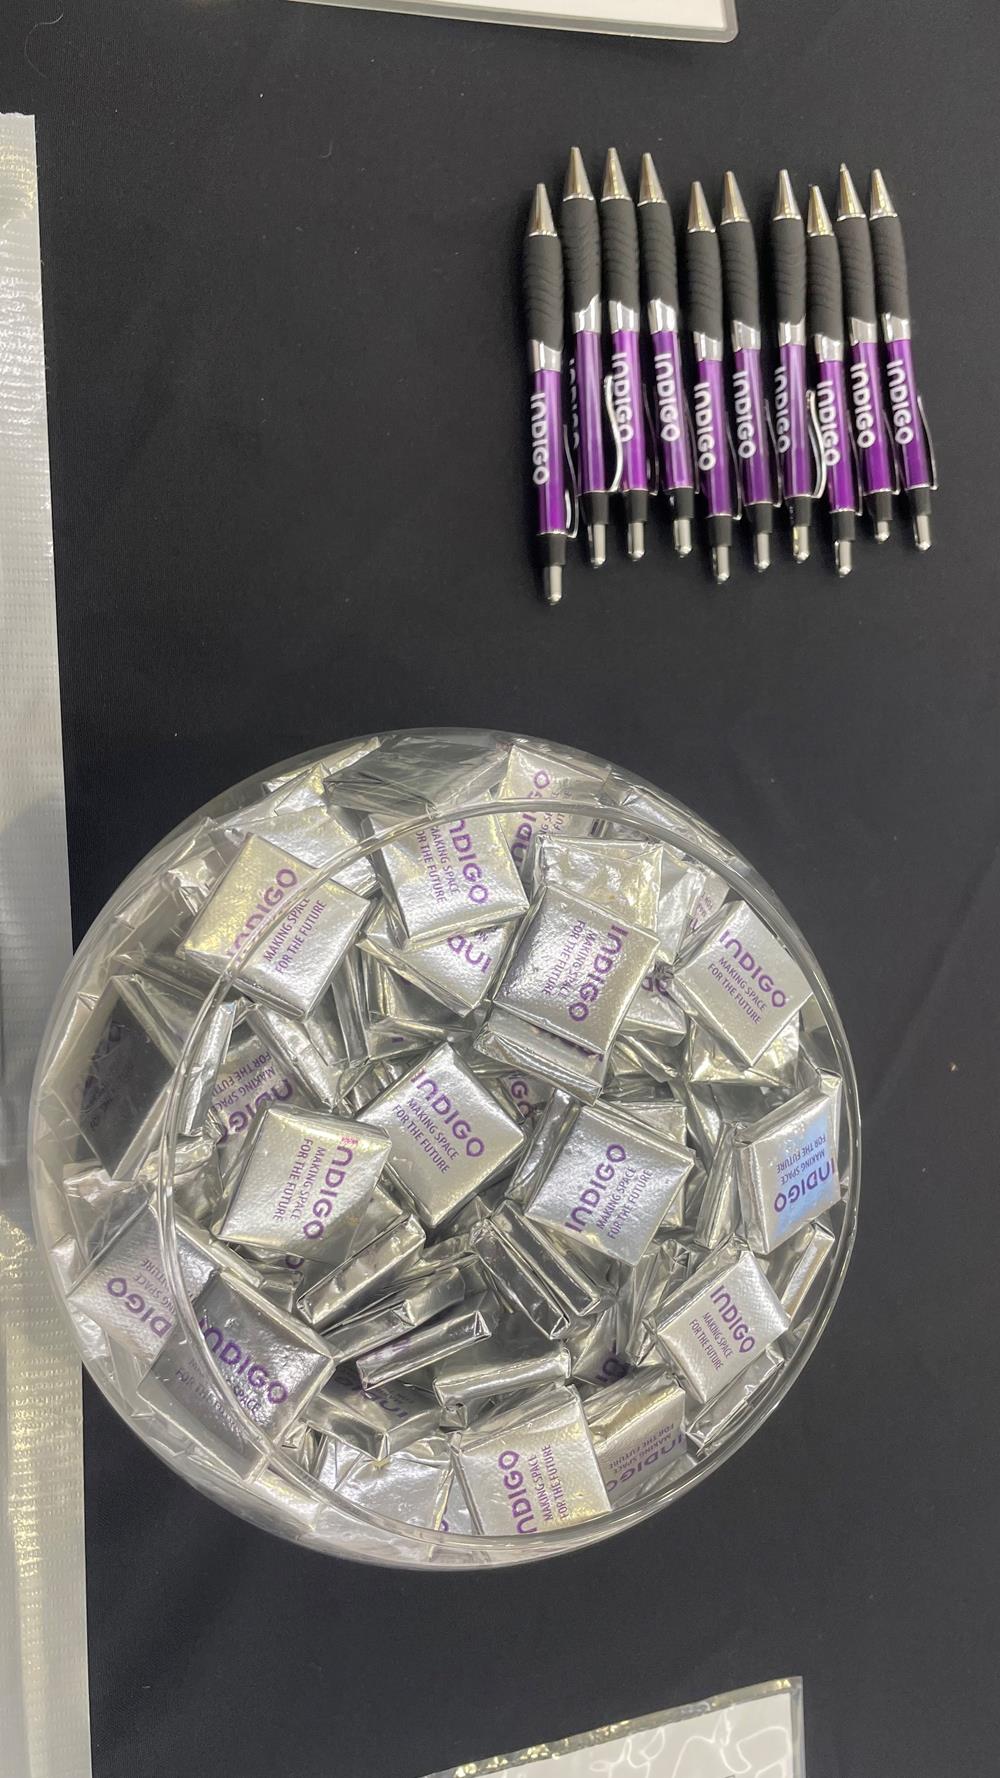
x,y
77,1200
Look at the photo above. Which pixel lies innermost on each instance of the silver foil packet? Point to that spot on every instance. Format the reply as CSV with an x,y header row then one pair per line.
x,y
303,1184
574,970
458,971
126,1291
506,1038
466,1325
498,1366
612,1184
412,1485
114,1081
621,876
293,965
295,816
457,1517
452,876
801,1263
722,1413
449,1136
787,1165
741,981
313,1049
379,1421
270,1363
597,1357
654,1013
250,1080
410,1306
364,1276
717,1323
637,1430
420,772
555,1268
518,1286
532,1469
535,775
707,1062
397,1008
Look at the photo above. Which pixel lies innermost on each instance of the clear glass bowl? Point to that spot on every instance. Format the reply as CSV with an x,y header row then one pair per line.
x,y
282,1497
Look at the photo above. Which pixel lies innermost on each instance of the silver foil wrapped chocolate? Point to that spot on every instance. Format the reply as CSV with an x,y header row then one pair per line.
x,y
787,1165
410,1306
741,981
458,970
612,1184
449,1136
536,775
412,1485
637,1430
574,970
364,1276
532,1468
464,1326
304,1181
719,1321
450,877
126,1291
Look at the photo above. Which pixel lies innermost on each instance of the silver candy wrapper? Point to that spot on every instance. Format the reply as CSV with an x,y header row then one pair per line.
x,y
518,1285
719,1210
313,1049
533,1468
303,1184
462,1327
125,1289
801,1263
707,1062
331,766
667,1116
114,1081
379,1421
534,775
251,1079
719,1322
721,1413
449,1136
458,971
597,1356
499,1366
452,876
557,1271
621,876
506,1038
295,816
396,1008
270,1363
457,1517
294,963
682,890
411,1305
413,1485
574,970
637,1430
364,1277
420,772
612,1184
741,982
787,1165
654,1013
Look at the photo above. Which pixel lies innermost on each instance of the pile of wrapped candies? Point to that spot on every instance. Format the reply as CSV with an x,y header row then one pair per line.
x,y
445,1148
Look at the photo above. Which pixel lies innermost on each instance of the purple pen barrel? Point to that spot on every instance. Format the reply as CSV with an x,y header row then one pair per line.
x,y
871,435
547,467
791,424
712,458
833,425
630,432
753,449
587,386
909,435
676,464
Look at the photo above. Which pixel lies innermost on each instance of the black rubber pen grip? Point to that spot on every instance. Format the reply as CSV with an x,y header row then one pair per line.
x,y
858,266
659,253
788,255
890,267
739,264
543,290
704,283
826,297
620,244
581,239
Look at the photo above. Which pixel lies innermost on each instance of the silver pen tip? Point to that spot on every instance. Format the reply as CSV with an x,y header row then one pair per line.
x,y
636,540
683,541
614,179
761,551
785,207
882,530
880,203
818,216
699,214
597,538
848,202
922,530
577,184
800,542
733,207
650,189
720,563
541,222
843,555
552,584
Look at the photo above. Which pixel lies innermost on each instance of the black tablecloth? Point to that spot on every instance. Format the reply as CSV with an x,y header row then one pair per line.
x,y
287,414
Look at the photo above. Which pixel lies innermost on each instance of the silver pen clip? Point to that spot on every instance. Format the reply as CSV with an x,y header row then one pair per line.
x,y
816,442
572,491
929,441
614,486
652,454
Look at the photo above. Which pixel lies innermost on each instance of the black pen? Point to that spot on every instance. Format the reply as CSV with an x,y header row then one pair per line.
x,y
543,305
753,453
870,432
581,240
791,409
906,413
620,243
659,269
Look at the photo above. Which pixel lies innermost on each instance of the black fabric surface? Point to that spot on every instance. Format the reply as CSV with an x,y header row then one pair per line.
x,y
287,411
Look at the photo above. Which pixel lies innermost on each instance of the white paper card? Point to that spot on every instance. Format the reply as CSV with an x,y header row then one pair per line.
x,y
713,19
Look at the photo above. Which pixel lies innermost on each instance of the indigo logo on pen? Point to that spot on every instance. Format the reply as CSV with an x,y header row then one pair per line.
x,y
899,401
667,398
539,439
782,409
621,397
826,414
864,406
746,430
704,427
